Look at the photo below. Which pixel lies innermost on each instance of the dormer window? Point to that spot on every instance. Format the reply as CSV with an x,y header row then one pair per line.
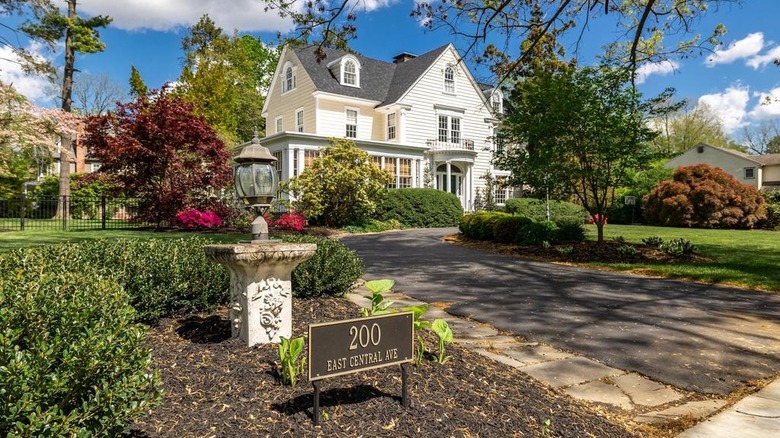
x,y
348,70
449,80
288,82
497,100
350,73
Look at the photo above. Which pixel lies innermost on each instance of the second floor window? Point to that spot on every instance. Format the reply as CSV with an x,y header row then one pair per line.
x,y
299,120
498,106
449,129
449,80
391,126
279,127
351,125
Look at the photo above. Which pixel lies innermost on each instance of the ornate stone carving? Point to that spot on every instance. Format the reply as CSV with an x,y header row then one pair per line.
x,y
260,287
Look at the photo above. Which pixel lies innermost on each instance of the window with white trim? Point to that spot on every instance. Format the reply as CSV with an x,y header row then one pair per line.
x,y
350,73
449,79
390,167
309,156
351,116
500,191
279,126
299,120
391,126
449,129
288,82
750,172
278,164
404,172
498,102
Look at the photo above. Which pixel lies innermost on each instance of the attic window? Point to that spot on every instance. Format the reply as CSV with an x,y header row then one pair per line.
x,y
288,82
348,70
449,80
497,101
700,149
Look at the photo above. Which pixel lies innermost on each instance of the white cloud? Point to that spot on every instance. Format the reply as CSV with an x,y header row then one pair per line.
x,y
35,87
768,105
730,106
747,47
370,5
759,61
244,15
660,68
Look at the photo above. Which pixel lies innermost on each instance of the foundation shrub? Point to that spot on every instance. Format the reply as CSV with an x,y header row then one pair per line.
x,y
560,211
333,270
420,208
507,229
72,360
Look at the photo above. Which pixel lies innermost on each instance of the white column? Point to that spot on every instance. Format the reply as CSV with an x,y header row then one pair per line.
x,y
401,126
287,170
415,172
469,192
448,184
300,161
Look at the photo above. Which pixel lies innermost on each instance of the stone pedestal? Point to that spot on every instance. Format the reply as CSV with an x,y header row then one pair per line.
x,y
260,287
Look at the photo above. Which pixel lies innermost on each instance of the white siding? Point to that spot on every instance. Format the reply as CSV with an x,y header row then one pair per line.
x,y
716,157
332,119
286,105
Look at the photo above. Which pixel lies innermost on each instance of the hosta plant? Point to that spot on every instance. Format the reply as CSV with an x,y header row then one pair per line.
x,y
444,333
378,304
292,362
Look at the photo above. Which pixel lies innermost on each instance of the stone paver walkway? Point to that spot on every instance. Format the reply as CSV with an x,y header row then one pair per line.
x,y
644,400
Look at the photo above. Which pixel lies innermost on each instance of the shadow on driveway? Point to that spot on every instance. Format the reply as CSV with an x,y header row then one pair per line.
x,y
702,338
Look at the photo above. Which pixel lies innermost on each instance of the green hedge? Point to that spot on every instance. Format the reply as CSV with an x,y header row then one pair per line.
x,y
333,270
560,211
506,228
72,360
420,208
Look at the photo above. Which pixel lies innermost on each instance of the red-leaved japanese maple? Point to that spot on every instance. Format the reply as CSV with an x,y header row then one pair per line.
x,y
158,149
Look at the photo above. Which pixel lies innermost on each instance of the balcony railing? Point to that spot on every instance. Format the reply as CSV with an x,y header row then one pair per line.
x,y
463,144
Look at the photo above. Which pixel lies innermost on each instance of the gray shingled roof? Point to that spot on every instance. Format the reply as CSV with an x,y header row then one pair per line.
x,y
380,81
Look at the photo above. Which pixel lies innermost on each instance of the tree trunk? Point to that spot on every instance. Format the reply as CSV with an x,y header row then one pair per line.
x,y
600,231
66,156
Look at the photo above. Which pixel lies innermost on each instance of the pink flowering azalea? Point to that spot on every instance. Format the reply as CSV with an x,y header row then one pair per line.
x,y
193,218
293,221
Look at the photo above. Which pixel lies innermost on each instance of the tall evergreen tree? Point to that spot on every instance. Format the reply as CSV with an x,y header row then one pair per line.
x,y
80,35
137,85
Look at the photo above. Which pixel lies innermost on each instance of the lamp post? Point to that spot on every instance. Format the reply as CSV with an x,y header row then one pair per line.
x,y
256,183
260,270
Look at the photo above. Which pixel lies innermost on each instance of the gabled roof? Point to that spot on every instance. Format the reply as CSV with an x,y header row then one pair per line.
x,y
767,159
754,158
380,81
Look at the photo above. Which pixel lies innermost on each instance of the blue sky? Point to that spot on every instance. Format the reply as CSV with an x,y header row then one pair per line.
x,y
733,81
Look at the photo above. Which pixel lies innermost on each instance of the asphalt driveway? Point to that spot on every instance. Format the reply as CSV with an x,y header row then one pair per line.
x,y
702,338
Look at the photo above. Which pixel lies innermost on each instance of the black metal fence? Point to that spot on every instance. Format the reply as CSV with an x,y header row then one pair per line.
x,y
78,213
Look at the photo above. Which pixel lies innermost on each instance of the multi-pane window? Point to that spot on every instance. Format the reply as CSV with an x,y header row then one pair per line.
x,y
299,120
279,127
278,164
497,103
351,123
750,172
449,129
404,173
501,191
350,73
449,80
308,157
295,162
377,160
289,79
391,168
391,126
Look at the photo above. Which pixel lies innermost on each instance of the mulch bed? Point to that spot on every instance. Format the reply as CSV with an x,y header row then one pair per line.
x,y
214,386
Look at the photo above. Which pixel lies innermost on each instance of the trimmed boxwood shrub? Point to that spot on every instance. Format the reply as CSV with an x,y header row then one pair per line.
x,y
420,208
72,360
480,225
506,229
333,270
536,233
570,232
560,211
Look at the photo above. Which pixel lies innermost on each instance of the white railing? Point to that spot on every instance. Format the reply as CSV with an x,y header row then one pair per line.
x,y
463,144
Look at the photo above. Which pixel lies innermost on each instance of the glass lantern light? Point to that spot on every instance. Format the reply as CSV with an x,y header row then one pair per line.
x,y
256,183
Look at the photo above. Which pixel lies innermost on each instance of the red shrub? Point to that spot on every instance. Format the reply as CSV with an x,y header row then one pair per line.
x,y
596,218
192,218
290,222
704,197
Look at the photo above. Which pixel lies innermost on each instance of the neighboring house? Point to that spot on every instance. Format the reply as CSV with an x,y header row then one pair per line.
x,y
760,171
419,117
83,163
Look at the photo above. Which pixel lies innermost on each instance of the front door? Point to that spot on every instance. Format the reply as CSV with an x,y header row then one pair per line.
x,y
455,182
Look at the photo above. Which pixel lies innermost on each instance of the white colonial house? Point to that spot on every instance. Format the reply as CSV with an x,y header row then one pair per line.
x,y
419,117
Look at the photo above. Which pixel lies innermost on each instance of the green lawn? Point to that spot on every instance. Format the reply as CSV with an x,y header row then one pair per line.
x,y
747,258
19,239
